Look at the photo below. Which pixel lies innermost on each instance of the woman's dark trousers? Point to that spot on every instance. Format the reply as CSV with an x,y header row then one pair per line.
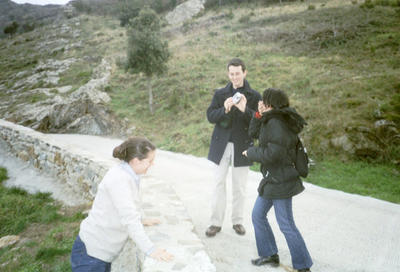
x,y
265,239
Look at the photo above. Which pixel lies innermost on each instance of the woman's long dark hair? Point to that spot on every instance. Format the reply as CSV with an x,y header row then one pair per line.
x,y
275,98
133,147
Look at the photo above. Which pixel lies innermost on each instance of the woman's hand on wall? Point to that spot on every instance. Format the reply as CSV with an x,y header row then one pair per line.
x,y
150,222
161,254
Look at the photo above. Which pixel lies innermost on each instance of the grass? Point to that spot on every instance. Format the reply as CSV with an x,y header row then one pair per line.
x,y
78,74
46,230
374,180
36,209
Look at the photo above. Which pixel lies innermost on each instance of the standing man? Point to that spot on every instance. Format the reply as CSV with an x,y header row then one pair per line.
x,y
230,138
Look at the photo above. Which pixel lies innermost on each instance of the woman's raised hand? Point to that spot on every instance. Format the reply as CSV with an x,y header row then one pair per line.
x,y
261,107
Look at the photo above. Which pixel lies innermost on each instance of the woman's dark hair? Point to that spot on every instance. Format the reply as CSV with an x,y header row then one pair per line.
x,y
236,62
275,98
133,147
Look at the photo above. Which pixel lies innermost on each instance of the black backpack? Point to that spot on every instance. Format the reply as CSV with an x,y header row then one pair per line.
x,y
301,160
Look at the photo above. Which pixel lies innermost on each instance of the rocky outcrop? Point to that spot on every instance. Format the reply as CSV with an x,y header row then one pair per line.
x,y
36,97
83,111
185,11
69,11
368,142
8,240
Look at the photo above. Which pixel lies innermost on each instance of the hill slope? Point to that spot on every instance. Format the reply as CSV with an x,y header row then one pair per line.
x,y
339,61
26,14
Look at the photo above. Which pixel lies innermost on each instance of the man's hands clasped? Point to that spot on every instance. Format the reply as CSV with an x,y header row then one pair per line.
x,y
228,104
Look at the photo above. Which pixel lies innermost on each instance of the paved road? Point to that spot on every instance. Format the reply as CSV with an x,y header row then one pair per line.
x,y
344,232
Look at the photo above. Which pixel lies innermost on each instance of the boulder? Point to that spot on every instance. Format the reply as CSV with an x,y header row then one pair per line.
x,y
368,142
8,240
343,143
82,116
185,11
48,72
85,110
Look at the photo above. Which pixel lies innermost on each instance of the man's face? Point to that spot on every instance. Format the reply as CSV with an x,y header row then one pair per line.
x,y
236,76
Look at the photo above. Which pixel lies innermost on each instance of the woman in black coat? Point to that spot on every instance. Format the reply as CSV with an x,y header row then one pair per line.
x,y
276,126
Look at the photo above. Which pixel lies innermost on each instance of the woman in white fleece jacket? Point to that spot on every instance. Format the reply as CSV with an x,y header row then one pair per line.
x,y
115,214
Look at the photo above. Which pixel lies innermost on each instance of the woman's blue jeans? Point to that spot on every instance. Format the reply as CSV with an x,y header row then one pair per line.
x,y
82,262
265,239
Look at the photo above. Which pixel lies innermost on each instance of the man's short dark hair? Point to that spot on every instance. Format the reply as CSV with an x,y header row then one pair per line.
x,y
237,62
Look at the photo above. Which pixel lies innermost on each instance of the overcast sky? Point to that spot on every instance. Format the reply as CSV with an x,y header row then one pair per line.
x,y
42,2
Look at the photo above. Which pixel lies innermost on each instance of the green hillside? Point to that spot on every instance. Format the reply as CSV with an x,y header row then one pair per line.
x,y
338,60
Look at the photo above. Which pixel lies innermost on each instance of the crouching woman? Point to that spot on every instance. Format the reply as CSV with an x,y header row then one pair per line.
x,y
115,214
276,126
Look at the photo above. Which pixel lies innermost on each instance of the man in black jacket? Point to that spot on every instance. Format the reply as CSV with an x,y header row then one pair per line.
x,y
231,110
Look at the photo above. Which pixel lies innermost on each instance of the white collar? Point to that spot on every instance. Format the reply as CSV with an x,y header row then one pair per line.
x,y
125,166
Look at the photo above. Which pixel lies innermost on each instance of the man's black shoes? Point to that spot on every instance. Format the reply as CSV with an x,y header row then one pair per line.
x,y
271,260
212,230
304,270
239,229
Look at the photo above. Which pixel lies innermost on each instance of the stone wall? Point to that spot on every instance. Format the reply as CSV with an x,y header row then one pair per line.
x,y
79,170
83,171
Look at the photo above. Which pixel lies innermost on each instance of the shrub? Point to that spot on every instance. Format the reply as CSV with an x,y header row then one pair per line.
x,y
27,27
11,29
244,19
3,174
128,11
390,3
81,6
367,4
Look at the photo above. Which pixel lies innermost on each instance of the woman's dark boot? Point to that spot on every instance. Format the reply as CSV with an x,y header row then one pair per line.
x,y
271,260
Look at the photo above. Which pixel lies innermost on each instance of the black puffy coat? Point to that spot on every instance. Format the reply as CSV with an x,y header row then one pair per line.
x,y
277,132
232,126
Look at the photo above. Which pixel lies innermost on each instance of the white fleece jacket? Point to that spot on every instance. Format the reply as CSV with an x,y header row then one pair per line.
x,y
115,216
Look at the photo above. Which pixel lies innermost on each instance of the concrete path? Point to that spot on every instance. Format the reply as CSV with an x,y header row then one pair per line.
x,y
343,232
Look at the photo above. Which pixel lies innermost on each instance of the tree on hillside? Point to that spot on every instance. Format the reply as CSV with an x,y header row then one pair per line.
x,y
81,6
147,54
11,29
129,9
27,27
